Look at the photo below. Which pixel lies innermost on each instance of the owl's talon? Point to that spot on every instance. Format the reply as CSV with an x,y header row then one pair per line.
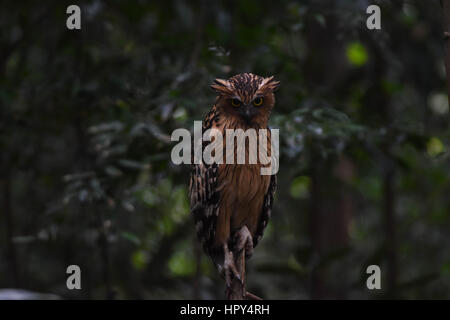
x,y
243,239
229,269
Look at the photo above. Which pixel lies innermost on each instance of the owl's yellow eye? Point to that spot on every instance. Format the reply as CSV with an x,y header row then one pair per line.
x,y
235,102
258,101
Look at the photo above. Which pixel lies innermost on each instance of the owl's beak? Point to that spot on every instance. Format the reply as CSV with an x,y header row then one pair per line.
x,y
247,112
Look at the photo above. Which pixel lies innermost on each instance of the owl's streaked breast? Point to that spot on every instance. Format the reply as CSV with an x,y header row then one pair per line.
x,y
242,189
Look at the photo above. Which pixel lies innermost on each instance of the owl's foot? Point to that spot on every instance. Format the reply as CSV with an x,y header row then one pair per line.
x,y
229,270
243,239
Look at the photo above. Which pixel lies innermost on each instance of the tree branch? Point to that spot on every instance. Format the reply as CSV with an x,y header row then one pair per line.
x,y
237,290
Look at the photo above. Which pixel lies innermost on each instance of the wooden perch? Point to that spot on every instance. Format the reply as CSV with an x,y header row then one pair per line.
x,y
237,290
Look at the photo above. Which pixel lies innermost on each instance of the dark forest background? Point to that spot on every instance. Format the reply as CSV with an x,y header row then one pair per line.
x,y
85,124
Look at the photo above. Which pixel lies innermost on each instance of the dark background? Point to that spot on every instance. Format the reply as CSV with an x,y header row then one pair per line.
x,y
85,124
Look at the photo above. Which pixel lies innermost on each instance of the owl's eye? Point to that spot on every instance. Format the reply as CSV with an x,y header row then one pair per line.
x,y
235,102
258,101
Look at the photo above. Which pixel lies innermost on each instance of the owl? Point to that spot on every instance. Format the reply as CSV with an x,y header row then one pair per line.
x,y
231,203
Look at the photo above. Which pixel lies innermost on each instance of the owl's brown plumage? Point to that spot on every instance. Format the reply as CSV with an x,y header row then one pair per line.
x,y
226,197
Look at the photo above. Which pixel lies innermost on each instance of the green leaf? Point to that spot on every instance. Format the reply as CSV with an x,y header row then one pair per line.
x,y
320,19
357,54
434,147
300,187
113,171
182,264
446,268
131,237
139,259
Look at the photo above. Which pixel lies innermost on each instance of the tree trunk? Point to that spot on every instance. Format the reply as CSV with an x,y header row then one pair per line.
x,y
197,276
390,229
315,228
9,226
446,7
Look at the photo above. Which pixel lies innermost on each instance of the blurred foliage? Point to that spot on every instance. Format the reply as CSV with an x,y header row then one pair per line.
x,y
85,124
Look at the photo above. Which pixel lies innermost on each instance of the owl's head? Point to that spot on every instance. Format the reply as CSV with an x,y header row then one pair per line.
x,y
246,97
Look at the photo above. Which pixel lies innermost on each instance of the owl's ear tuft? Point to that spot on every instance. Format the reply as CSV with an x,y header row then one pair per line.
x,y
272,84
268,85
275,84
221,86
